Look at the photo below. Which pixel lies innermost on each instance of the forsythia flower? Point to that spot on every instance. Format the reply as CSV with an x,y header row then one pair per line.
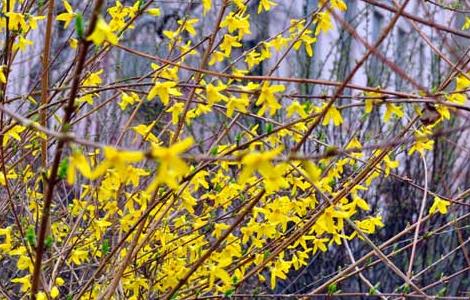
x,y
239,104
265,5
334,115
25,282
163,90
267,98
422,143
102,33
392,109
372,98
127,99
154,12
14,132
22,43
171,165
439,205
119,160
3,78
213,93
206,5
67,16
176,110
188,25
77,161
145,131
258,161
323,22
228,43
466,25
295,107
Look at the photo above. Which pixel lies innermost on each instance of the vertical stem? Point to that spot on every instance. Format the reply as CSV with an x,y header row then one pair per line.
x,y
45,79
52,180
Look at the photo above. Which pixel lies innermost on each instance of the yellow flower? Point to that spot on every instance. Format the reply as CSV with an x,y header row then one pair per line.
x,y
93,79
33,21
22,43
154,12
324,24
267,98
258,161
176,109
3,78
67,16
59,281
5,245
188,25
118,160
25,282
127,99
163,90
78,161
14,132
307,41
439,205
235,22
355,144
312,171
171,167
466,25
334,115
213,93
390,164
392,109
145,132
228,43
422,143
239,104
16,21
265,5
319,244
73,43
368,225
338,4
206,5
278,42
372,98
11,175
296,107
55,292
279,270
216,57
102,33
78,256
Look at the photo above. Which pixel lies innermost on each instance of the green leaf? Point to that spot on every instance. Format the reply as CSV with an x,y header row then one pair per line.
x,y
238,138
79,25
442,292
31,236
373,290
214,151
63,167
229,293
49,241
105,247
332,289
269,128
